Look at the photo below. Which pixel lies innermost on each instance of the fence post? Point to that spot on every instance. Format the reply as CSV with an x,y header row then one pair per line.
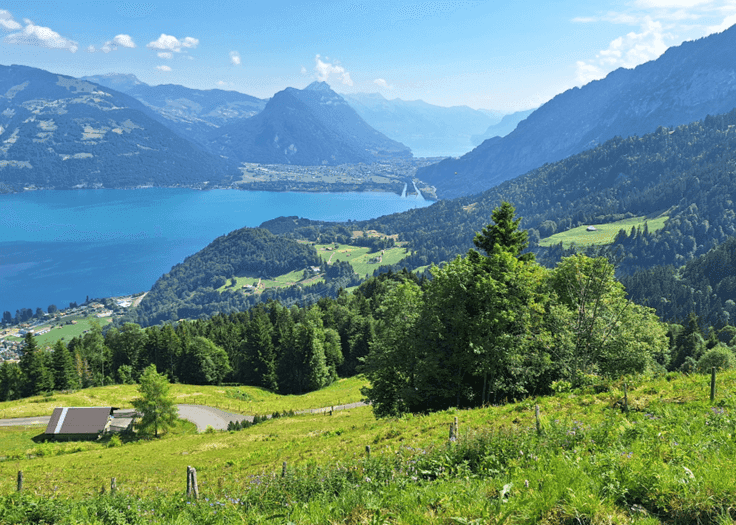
x,y
283,470
195,486
20,481
626,398
113,486
712,384
189,482
368,451
536,415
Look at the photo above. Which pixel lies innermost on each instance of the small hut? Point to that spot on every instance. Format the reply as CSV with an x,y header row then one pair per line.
x,y
591,229
76,423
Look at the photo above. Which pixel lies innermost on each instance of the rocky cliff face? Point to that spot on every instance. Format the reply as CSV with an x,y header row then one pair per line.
x,y
685,84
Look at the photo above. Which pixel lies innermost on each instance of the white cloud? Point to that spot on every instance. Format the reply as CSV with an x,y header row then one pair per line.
x,y
165,54
91,49
33,35
163,68
382,83
304,71
171,43
124,41
671,4
7,22
235,58
628,51
222,83
324,70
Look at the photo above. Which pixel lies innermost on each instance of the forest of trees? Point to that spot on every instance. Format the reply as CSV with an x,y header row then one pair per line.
x,y
490,326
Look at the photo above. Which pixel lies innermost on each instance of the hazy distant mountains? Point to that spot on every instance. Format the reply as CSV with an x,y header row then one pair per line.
x,y
193,113
684,85
429,130
309,127
60,132
507,125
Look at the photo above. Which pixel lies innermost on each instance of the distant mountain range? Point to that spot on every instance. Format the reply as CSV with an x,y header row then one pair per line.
x,y
507,125
192,113
685,84
59,132
312,126
429,130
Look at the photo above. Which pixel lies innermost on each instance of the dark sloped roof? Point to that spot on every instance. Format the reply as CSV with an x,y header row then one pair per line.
x,y
78,420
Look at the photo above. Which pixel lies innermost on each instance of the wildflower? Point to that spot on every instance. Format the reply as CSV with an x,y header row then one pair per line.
x,y
526,483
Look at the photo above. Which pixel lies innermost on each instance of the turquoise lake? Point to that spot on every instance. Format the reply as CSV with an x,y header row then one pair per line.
x,y
62,246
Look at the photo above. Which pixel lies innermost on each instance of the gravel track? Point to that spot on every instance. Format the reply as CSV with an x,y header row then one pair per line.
x,y
201,415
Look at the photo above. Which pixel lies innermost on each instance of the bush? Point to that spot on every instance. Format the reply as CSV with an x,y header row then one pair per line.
x,y
720,357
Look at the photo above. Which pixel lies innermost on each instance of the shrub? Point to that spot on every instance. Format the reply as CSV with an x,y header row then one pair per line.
x,y
720,357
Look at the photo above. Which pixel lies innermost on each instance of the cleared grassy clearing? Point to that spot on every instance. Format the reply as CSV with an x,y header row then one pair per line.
x,y
245,399
359,256
61,330
604,234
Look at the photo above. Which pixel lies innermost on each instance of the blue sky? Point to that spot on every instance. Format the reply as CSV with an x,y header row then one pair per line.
x,y
509,55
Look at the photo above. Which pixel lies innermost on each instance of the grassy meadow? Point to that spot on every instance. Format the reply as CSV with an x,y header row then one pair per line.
x,y
670,459
244,399
604,234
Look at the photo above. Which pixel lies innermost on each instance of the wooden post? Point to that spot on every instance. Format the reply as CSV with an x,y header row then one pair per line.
x,y
712,384
113,486
189,482
20,481
368,451
536,415
626,398
457,429
195,486
283,470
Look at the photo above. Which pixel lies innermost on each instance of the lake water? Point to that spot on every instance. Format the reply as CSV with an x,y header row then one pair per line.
x,y
62,246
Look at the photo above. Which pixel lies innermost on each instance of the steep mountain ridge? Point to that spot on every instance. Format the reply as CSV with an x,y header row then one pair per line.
x,y
685,84
190,112
309,127
60,132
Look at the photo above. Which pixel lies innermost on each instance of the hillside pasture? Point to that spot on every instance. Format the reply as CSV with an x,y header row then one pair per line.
x,y
239,399
669,459
604,234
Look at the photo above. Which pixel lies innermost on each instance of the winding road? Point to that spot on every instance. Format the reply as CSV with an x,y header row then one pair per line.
x,y
201,415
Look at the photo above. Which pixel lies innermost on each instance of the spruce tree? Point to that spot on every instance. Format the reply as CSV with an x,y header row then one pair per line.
x,y
65,376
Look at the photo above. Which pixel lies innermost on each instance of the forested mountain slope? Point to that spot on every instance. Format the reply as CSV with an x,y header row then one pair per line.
x,y
60,132
690,171
706,286
190,289
685,84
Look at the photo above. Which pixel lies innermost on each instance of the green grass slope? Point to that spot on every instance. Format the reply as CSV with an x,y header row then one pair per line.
x,y
670,459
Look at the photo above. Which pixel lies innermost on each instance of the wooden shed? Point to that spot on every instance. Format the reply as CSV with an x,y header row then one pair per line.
x,y
75,423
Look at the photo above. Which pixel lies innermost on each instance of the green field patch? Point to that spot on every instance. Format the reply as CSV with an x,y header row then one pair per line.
x,y
604,234
363,262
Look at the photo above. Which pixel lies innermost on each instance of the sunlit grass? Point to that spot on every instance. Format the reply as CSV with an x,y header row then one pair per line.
x,y
670,459
604,234
244,400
